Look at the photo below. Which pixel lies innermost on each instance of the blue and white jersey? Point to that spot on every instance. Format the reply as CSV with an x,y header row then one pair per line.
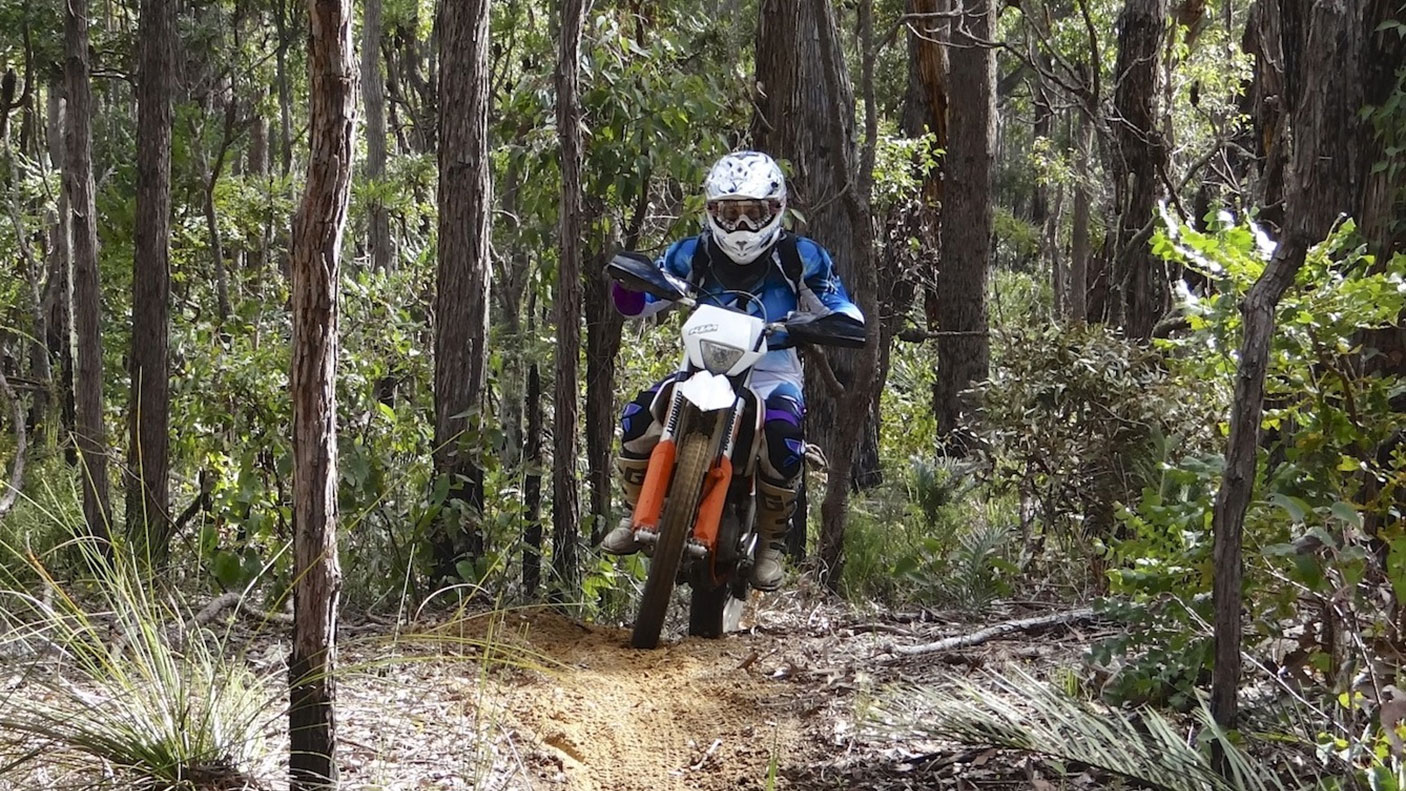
x,y
820,293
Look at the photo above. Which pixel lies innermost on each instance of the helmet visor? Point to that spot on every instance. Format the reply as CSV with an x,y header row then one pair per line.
x,y
750,213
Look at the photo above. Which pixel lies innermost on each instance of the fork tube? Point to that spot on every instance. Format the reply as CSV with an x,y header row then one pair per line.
x,y
710,512
660,471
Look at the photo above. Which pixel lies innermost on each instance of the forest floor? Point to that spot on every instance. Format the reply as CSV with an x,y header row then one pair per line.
x,y
564,705
530,699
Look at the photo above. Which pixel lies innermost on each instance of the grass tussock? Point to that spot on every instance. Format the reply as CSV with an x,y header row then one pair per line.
x,y
118,687
1010,709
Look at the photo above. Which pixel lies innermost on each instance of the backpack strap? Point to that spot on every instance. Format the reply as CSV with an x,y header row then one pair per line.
x,y
701,265
791,266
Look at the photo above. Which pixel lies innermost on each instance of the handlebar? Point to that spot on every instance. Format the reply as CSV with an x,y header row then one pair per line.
x,y
637,272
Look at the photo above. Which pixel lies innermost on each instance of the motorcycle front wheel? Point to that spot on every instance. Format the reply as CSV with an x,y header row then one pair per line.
x,y
675,527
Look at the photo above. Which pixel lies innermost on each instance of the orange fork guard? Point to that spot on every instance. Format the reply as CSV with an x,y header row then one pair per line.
x,y
656,483
710,513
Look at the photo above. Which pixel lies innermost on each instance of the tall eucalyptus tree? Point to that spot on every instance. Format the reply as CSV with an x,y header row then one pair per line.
x,y
462,276
149,407
87,301
316,260
565,474
963,348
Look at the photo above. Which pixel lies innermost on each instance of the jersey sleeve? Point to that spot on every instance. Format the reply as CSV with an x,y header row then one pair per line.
x,y
677,260
823,293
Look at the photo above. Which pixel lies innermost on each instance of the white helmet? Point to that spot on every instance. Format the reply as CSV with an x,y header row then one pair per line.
x,y
746,198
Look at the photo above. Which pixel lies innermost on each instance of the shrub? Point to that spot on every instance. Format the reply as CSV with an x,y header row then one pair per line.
x,y
1077,420
1322,540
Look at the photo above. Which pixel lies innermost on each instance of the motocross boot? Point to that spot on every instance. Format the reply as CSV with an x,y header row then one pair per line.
x,y
621,540
775,504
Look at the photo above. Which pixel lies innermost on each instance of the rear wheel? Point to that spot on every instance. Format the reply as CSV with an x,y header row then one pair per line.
x,y
675,527
706,610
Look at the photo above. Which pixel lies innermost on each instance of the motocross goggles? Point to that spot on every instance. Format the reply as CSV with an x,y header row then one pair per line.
x,y
736,213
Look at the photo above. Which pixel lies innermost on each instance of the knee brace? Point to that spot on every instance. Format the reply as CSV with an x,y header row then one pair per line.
x,y
639,431
785,440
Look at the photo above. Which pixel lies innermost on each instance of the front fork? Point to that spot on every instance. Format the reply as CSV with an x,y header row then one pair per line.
x,y
679,417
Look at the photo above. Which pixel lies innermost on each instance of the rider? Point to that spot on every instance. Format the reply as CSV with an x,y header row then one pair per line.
x,y
743,248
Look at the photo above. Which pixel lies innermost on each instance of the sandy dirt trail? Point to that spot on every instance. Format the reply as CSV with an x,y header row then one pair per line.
x,y
687,715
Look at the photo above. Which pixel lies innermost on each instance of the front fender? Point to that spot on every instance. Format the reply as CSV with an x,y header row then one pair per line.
x,y
708,392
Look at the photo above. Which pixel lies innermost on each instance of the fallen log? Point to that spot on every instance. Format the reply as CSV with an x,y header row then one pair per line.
x,y
994,632
241,604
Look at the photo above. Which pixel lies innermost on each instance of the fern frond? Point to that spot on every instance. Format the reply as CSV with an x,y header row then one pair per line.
x,y
972,580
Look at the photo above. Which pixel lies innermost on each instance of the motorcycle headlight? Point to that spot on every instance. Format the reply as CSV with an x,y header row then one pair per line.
x,y
719,358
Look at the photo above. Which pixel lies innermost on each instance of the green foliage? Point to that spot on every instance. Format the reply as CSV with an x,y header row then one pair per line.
x,y
900,167
937,541
1077,420
1017,241
1319,479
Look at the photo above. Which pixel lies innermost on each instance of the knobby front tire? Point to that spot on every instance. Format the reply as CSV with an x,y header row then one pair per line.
x,y
675,527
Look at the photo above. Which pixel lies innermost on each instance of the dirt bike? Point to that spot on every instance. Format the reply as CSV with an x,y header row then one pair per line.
x,y
694,517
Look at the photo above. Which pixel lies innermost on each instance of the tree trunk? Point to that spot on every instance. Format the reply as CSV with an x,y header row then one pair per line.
x,y
859,395
285,91
1078,286
373,93
35,268
532,487
317,241
148,411
565,485
462,278
87,301
1058,274
791,122
1139,285
604,325
1264,40
1325,96
212,224
259,169
58,286
603,328
967,221
926,108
